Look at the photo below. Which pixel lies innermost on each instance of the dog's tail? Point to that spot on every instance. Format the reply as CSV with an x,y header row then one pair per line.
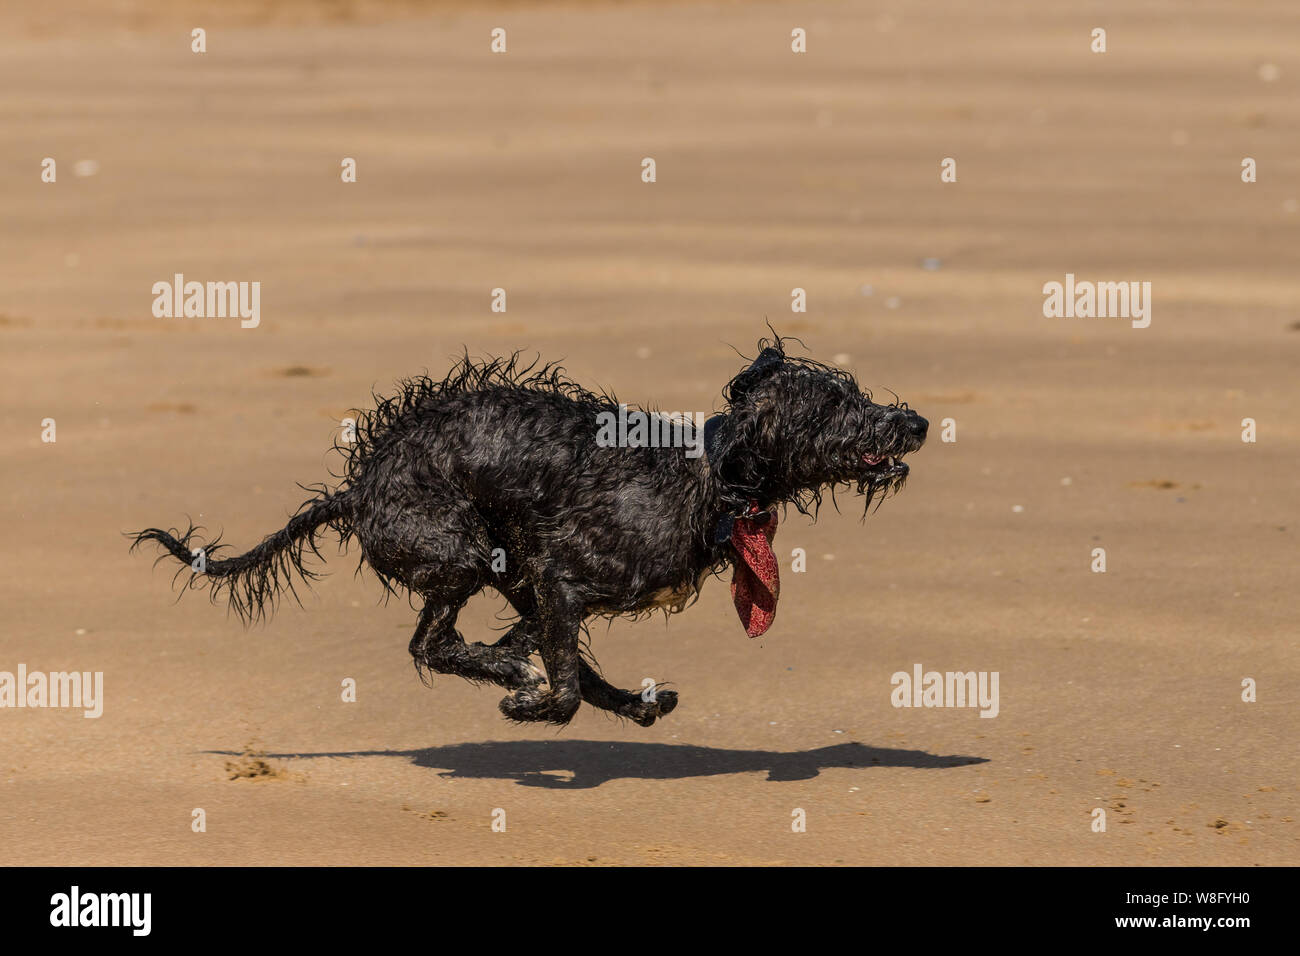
x,y
252,582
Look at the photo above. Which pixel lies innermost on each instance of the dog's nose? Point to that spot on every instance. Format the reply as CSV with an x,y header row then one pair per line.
x,y
919,426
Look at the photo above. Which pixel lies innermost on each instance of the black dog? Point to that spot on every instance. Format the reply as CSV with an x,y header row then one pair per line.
x,y
494,477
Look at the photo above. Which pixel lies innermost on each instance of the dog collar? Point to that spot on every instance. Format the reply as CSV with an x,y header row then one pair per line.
x,y
714,432
726,524
756,578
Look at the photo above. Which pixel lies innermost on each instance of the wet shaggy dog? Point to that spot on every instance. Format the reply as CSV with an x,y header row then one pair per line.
x,y
494,478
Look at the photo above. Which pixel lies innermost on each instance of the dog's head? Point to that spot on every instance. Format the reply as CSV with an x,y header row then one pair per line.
x,y
795,426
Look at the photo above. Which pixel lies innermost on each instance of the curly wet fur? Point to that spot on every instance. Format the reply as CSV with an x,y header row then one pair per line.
x,y
492,478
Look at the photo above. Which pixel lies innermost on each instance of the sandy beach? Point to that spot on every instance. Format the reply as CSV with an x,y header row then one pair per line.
x,y
1120,691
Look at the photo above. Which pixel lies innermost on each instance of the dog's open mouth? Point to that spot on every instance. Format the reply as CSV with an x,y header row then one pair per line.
x,y
884,466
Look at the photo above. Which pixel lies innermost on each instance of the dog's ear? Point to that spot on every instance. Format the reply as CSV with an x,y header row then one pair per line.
x,y
768,359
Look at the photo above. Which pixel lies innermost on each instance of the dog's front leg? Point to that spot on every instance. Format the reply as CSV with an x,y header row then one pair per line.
x,y
625,703
560,614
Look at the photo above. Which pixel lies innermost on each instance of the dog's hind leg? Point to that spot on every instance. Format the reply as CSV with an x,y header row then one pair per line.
x,y
438,646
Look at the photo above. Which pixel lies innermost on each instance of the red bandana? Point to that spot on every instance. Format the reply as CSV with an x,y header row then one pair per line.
x,y
756,583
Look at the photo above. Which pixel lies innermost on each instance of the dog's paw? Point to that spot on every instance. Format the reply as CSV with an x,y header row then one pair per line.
x,y
487,662
522,674
534,705
646,712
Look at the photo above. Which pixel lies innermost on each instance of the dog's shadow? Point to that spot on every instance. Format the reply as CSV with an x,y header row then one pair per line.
x,y
590,763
